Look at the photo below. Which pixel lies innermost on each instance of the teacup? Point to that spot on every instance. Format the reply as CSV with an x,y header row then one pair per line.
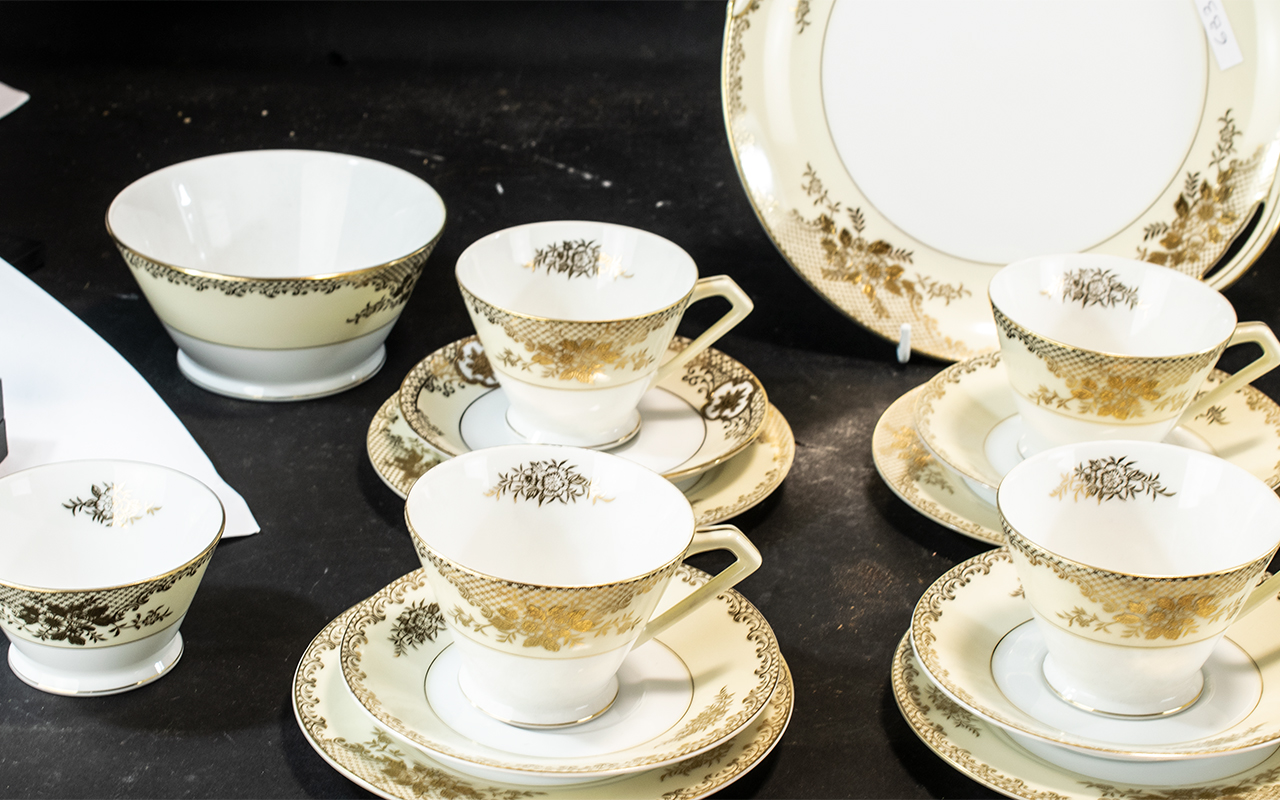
x,y
1102,347
99,562
1135,557
575,318
278,273
548,563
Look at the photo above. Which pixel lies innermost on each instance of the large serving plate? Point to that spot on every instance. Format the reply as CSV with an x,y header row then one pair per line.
x,y
899,153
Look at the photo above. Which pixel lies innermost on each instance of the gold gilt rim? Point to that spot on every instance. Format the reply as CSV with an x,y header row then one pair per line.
x,y
902,675
566,321
584,587
1012,534
1122,357
222,526
195,273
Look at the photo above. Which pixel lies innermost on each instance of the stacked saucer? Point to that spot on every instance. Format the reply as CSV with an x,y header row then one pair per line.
x,y
967,679
376,695
943,447
709,428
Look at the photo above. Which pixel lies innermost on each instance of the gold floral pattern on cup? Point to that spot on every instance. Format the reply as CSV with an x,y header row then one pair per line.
x,y
1077,381
1111,606
1109,478
546,481
591,619
101,617
557,352
577,258
1090,286
110,505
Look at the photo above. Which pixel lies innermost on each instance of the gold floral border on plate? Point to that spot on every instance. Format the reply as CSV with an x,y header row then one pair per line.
x,y
986,754
399,457
380,762
880,277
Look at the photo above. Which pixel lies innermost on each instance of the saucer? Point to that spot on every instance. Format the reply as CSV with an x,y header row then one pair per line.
x,y
682,694
987,754
691,422
397,454
967,632
966,417
925,483
336,726
400,456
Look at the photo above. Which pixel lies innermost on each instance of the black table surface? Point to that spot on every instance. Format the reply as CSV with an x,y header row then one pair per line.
x,y
514,113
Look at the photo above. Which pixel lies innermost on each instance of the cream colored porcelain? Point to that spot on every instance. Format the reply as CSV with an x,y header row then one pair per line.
x,y
989,755
896,176
340,731
966,417
400,456
965,618
278,273
99,562
1099,347
926,483
550,561
696,419
577,317
687,692
1136,557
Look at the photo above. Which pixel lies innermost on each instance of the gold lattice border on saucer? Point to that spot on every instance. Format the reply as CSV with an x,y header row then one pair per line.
x,y
984,753
379,761
730,399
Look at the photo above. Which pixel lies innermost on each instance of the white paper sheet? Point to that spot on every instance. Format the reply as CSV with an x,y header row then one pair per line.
x,y
11,98
69,395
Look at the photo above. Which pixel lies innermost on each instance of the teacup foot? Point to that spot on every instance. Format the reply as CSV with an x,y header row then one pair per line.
x,y
144,661
1174,702
606,440
585,712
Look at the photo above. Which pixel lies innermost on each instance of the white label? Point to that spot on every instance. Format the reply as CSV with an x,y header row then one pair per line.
x,y
1218,28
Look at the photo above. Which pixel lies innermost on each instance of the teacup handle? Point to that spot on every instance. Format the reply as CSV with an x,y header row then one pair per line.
x,y
713,286
1268,589
712,537
1270,359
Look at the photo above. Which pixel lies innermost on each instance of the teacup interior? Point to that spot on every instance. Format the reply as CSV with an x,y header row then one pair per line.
x,y
580,271
1113,305
277,214
99,524
1141,508
548,515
